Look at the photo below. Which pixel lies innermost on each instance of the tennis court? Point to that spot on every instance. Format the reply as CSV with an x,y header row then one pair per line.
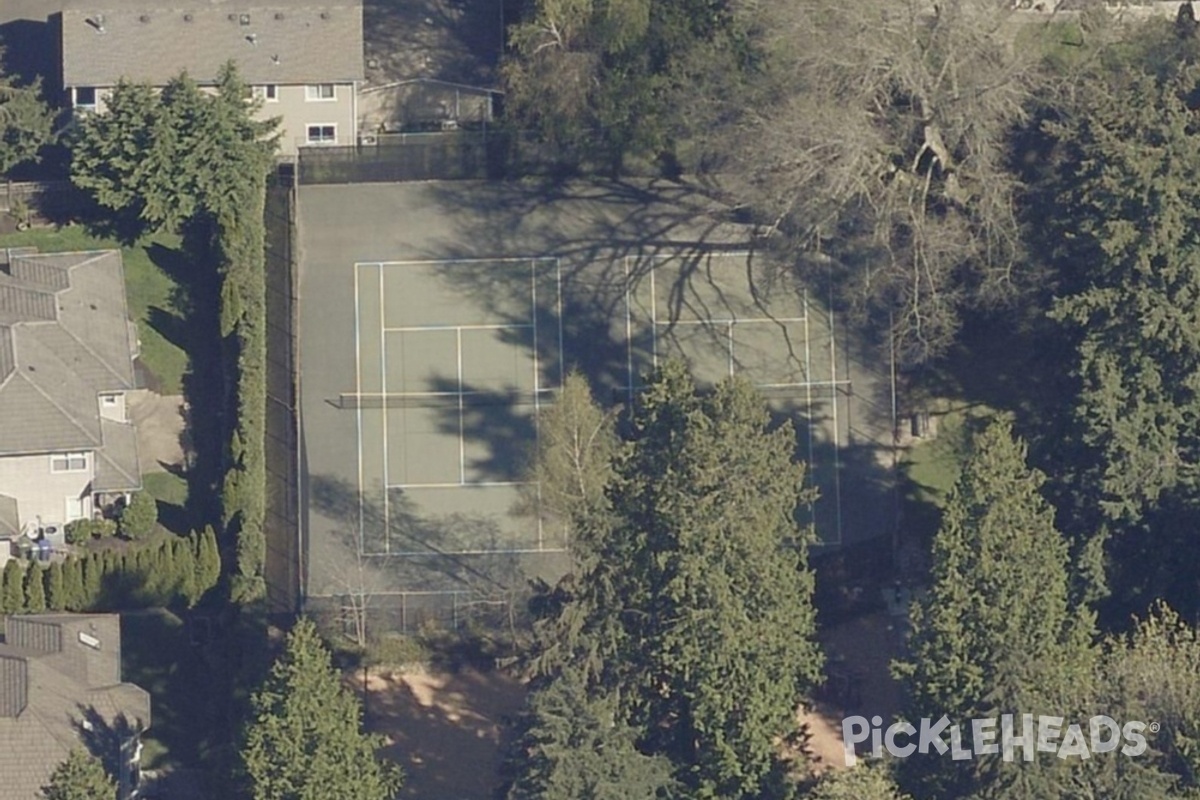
x,y
437,320
430,369
731,314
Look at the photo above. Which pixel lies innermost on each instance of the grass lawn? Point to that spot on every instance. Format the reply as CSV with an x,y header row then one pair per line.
x,y
147,287
171,492
157,654
929,469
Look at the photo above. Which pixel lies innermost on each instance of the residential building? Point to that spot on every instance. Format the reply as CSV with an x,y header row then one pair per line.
x,y
303,58
60,690
67,348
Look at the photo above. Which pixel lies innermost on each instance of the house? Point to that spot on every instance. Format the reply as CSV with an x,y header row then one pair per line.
x,y
67,348
304,58
60,690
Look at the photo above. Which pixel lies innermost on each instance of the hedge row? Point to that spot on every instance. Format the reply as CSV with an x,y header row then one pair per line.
x,y
173,570
242,243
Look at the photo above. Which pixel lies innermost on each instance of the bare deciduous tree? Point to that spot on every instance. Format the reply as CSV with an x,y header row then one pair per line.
x,y
879,145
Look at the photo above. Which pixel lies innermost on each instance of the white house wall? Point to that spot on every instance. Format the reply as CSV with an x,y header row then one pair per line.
x,y
42,493
296,113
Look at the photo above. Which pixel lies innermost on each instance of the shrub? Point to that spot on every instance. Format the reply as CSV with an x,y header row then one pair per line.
x,y
81,530
139,517
396,650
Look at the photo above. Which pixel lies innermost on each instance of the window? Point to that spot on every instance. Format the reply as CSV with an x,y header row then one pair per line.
x,y
109,400
68,462
322,134
270,93
321,91
85,96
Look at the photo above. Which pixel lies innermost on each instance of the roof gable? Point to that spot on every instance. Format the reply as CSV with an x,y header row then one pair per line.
x,y
52,369
280,41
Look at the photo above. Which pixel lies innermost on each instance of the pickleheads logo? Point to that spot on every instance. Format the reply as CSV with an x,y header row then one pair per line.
x,y
996,737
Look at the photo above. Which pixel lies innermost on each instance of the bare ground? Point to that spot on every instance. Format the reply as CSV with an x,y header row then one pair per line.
x,y
160,424
447,730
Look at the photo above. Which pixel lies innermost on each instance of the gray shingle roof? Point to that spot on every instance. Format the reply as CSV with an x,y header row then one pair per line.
x,y
51,370
57,682
117,466
285,41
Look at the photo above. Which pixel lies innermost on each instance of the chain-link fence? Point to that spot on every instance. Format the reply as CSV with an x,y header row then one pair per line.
x,y
452,155
284,552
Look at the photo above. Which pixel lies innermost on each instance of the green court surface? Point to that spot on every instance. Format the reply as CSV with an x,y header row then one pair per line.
x,y
438,320
430,370
727,314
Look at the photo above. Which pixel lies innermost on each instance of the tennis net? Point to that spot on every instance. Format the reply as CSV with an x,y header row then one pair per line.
x,y
471,399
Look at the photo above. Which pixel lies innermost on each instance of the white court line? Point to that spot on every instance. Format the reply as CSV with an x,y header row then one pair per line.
x,y
484,327
462,441
460,485
451,553
731,321
562,375
358,387
444,261
729,334
837,443
803,385
628,329
808,404
653,319
387,519
537,406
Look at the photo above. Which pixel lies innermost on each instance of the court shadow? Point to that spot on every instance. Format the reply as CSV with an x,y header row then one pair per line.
x,y
403,548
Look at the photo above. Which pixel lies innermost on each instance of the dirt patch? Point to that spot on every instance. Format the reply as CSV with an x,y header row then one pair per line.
x,y
447,730
160,423
822,735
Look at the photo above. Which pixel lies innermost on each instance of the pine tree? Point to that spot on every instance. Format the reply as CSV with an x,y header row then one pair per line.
x,y
26,121
12,593
183,568
862,783
700,579
208,560
572,747
56,597
93,582
996,634
74,594
305,738
35,589
80,777
139,518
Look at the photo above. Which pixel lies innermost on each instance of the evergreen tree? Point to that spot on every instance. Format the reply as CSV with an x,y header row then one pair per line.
x,y
183,569
572,747
208,560
12,593
92,583
139,518
305,738
35,589
75,596
1129,300
26,121
862,783
56,594
700,582
80,777
995,634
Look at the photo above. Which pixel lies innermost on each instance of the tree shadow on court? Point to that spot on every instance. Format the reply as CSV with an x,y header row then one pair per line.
x,y
405,550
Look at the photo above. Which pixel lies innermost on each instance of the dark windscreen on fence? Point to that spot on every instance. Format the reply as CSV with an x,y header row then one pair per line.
x,y
455,155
